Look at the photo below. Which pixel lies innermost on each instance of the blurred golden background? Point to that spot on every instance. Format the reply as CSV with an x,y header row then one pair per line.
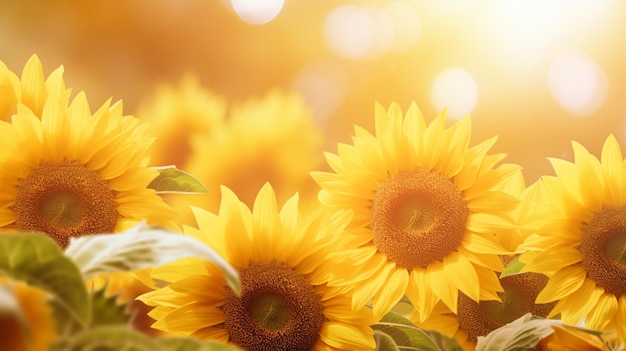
x,y
537,73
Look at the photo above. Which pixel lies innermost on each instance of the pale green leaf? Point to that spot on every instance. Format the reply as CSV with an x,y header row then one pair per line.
x,y
444,342
39,261
394,332
174,180
384,341
139,247
514,267
124,338
108,338
107,310
522,334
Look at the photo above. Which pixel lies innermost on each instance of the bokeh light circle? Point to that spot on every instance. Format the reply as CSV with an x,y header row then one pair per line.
x,y
356,32
257,11
456,90
577,82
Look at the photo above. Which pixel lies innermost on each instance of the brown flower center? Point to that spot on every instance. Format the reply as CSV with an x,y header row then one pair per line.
x,y
603,247
278,310
418,217
63,200
520,291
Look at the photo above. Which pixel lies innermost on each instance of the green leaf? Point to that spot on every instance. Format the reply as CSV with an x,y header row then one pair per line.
x,y
514,267
39,261
444,342
139,247
107,311
108,338
123,338
394,332
522,334
174,180
384,341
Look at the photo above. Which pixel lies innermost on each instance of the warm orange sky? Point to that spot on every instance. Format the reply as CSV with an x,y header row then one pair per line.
x,y
523,56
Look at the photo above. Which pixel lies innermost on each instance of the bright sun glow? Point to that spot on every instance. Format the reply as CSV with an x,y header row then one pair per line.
x,y
357,32
456,90
257,11
527,31
577,82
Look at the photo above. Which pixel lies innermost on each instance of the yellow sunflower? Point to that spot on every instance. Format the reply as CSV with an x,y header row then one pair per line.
x,y
284,263
71,173
35,329
270,139
178,116
474,319
581,239
428,211
32,90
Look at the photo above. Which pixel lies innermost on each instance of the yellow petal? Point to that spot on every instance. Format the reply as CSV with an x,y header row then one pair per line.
x,y
577,305
422,297
442,287
549,261
603,312
392,291
563,283
346,337
460,271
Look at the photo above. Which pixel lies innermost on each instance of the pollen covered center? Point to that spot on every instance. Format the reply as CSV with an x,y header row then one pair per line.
x,y
271,311
278,309
418,217
603,247
65,199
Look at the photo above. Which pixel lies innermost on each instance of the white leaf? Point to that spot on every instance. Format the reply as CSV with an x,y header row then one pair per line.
x,y
139,247
523,333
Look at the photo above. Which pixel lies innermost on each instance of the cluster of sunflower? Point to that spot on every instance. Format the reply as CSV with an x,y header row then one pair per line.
x,y
415,239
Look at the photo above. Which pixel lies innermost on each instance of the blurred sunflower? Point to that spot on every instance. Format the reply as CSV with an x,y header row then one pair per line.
x,y
581,239
271,139
71,173
428,211
284,263
178,116
31,328
32,90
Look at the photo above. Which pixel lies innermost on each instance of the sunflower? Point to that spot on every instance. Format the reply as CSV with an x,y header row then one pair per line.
x,y
69,173
284,263
580,239
428,211
269,139
178,116
474,319
34,330
32,90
